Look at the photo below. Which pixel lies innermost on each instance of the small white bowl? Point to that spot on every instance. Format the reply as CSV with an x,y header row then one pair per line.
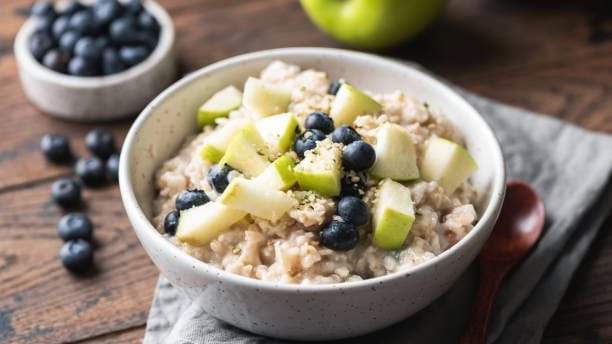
x,y
89,99
303,312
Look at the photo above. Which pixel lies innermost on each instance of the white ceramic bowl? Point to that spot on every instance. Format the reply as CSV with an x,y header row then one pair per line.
x,y
303,312
102,98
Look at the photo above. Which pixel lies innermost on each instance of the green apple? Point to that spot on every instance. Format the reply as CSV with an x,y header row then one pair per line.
x,y
393,215
279,175
395,154
217,142
351,102
256,199
372,24
199,225
321,169
219,105
278,131
265,99
447,163
247,152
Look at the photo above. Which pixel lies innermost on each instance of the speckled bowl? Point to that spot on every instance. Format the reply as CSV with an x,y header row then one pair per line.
x,y
303,312
89,99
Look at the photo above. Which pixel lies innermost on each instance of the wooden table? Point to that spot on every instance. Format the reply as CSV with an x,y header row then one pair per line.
x,y
542,57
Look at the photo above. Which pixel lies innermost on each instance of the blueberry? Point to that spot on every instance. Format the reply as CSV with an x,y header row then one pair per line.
x,y
91,171
353,185
100,142
171,222
60,26
217,177
133,6
44,24
66,192
345,134
77,256
147,22
103,42
43,9
79,66
87,48
132,55
70,7
112,168
40,43
75,226
123,31
190,198
106,11
339,236
358,156
353,210
320,121
56,60
334,87
111,63
147,38
82,21
307,141
56,148
68,40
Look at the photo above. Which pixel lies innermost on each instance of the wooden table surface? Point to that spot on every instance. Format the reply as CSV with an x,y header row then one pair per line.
x,y
548,58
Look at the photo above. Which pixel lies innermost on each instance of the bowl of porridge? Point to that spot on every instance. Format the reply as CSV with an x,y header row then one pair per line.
x,y
311,193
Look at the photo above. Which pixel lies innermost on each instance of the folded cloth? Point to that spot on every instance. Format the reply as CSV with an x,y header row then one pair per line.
x,y
570,167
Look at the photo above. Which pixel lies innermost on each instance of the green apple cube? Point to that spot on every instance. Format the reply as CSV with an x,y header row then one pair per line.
x,y
265,99
200,225
247,152
217,142
321,169
279,175
219,105
256,199
278,131
351,102
395,154
393,215
447,163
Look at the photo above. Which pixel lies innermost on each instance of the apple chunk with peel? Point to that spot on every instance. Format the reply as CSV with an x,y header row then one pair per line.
x,y
279,175
217,142
447,163
265,99
256,199
247,152
278,131
219,105
321,169
395,154
393,215
351,102
199,225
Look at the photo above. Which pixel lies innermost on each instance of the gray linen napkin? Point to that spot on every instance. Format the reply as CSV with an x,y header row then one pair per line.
x,y
569,166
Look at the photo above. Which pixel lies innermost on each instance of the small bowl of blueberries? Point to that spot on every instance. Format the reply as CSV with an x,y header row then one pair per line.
x,y
95,60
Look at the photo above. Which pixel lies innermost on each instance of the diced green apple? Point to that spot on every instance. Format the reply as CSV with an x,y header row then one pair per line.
x,y
217,142
278,131
321,169
351,102
199,225
279,175
219,105
247,152
256,199
395,154
447,163
265,99
393,215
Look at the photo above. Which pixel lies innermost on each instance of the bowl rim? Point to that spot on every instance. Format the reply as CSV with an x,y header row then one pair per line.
x,y
140,220
164,47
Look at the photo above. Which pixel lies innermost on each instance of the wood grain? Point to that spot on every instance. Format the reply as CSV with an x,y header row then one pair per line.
x,y
537,55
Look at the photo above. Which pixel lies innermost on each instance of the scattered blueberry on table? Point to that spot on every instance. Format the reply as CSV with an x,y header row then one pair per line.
x,y
56,148
112,168
66,192
77,256
101,143
79,35
91,171
75,226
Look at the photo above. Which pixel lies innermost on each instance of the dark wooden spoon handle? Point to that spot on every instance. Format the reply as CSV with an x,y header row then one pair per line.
x,y
491,276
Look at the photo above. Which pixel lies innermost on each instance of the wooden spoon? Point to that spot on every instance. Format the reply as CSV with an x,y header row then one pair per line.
x,y
518,228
